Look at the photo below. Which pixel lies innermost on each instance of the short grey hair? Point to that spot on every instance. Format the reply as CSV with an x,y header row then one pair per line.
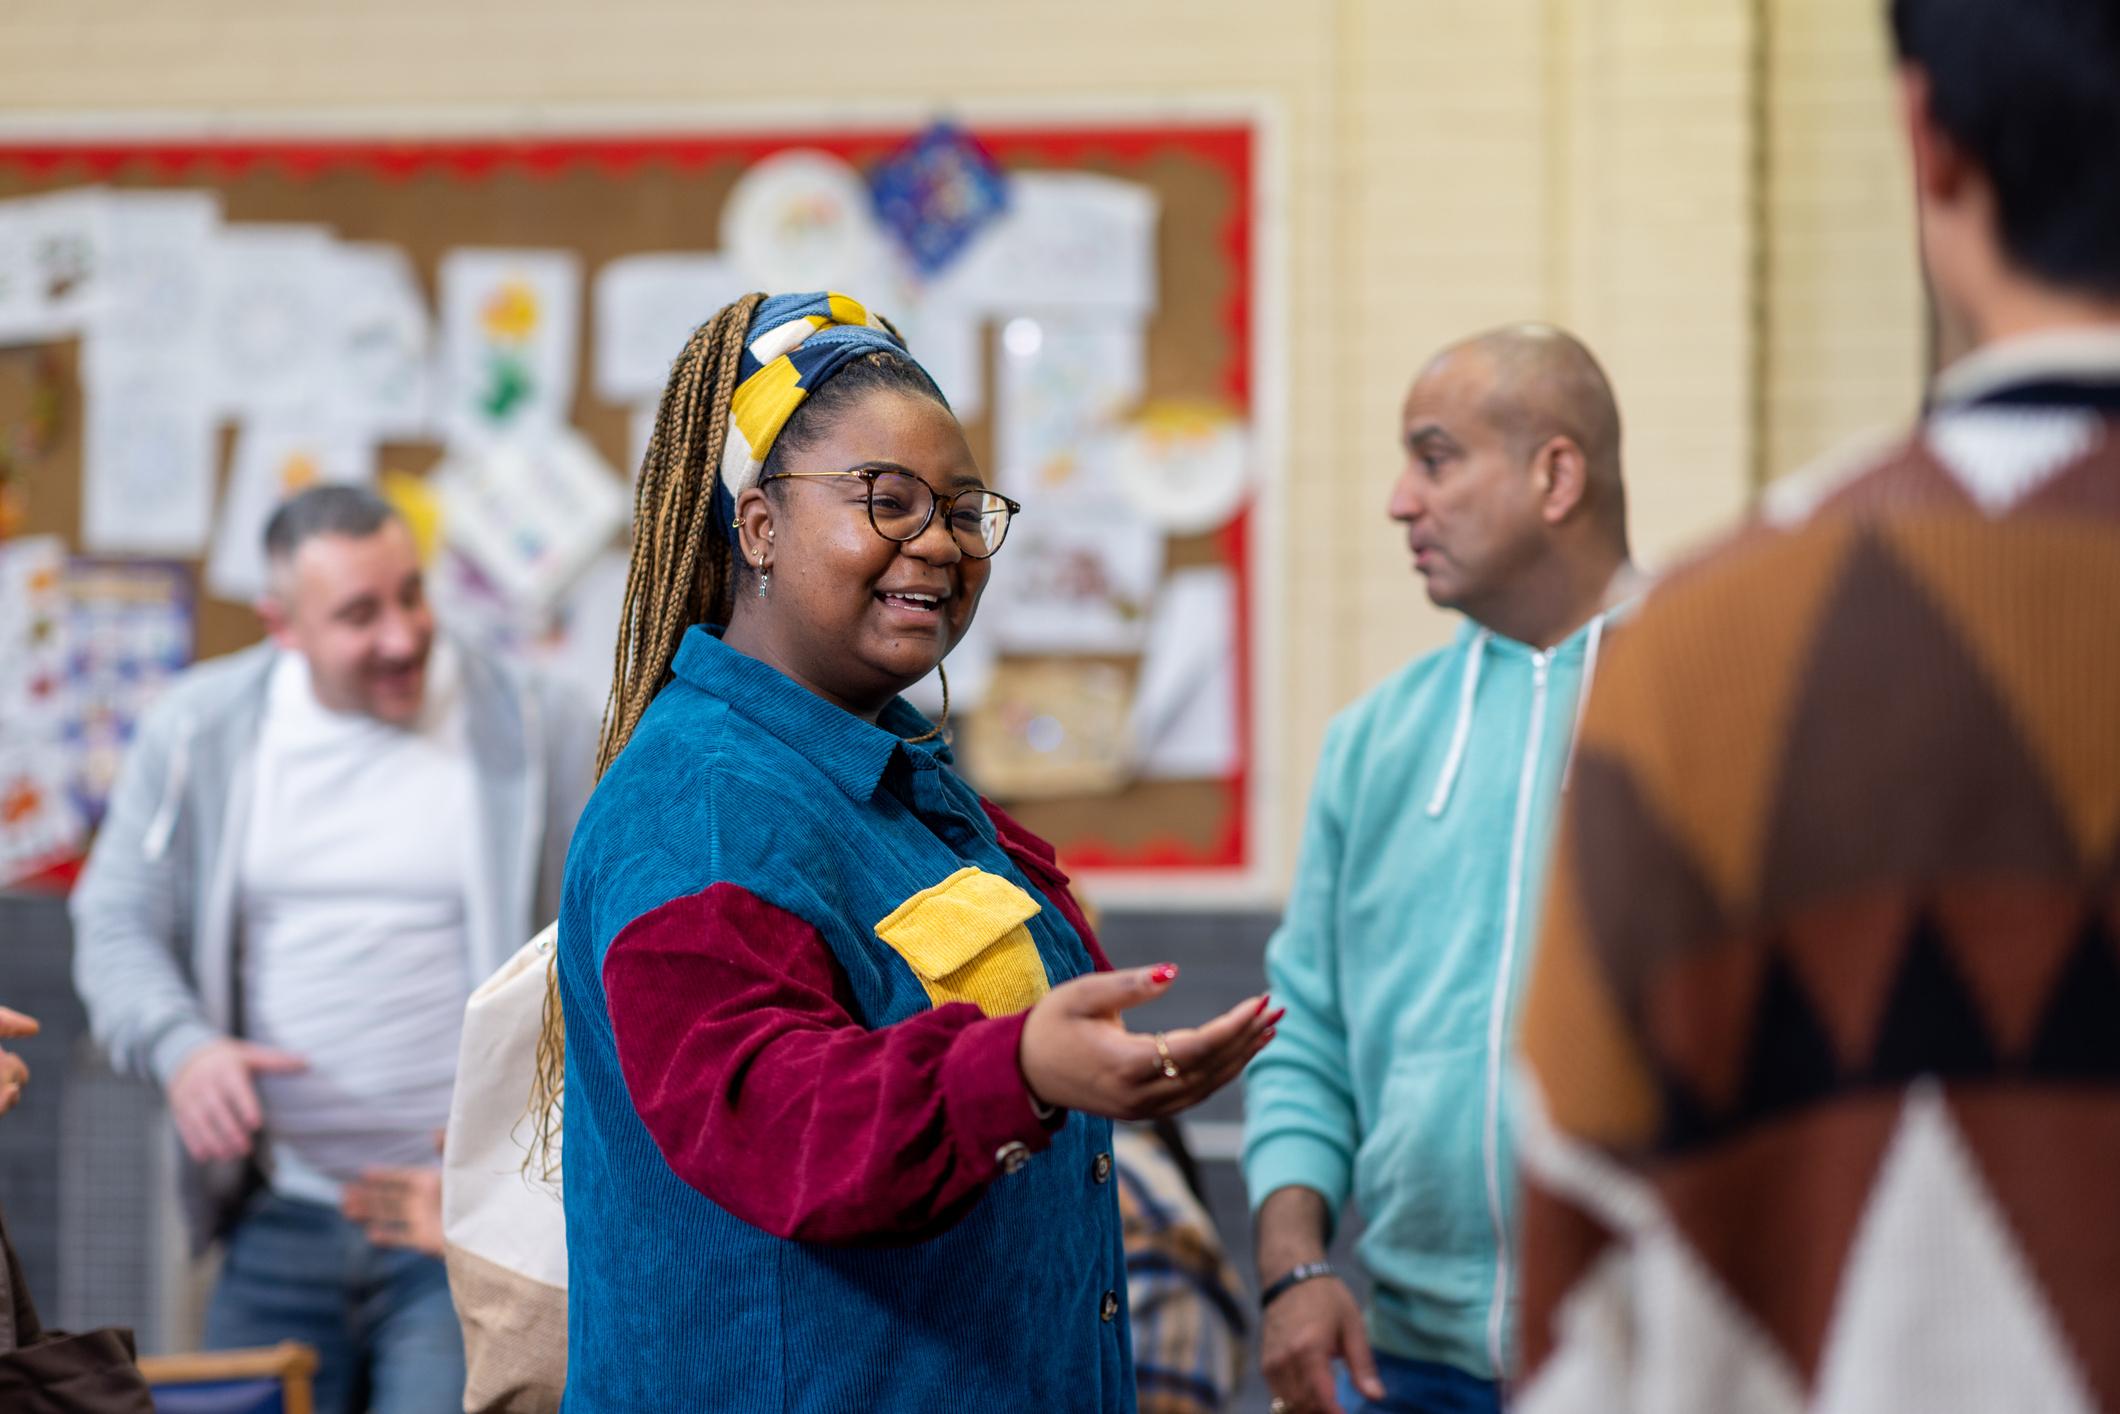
x,y
352,511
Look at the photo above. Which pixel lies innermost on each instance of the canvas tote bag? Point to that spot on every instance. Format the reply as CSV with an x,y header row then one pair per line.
x,y
504,1234
51,1372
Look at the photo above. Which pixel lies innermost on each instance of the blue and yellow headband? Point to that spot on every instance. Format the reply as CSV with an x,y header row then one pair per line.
x,y
794,344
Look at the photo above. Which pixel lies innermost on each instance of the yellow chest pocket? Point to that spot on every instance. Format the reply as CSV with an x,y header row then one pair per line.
x,y
966,940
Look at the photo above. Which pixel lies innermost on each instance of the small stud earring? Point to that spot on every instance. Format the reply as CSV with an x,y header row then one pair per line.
x,y
764,575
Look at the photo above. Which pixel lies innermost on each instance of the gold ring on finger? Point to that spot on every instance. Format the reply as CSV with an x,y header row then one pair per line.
x,y
1170,1067
1280,1406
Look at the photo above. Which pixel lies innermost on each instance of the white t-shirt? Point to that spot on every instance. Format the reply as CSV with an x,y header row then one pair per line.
x,y
358,845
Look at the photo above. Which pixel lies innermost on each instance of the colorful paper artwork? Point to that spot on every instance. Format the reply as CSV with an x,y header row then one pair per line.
x,y
33,624
532,516
802,220
1186,467
52,254
130,632
38,822
39,826
510,325
936,193
1078,578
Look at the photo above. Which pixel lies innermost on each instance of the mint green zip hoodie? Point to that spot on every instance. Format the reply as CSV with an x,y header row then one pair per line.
x,y
1400,960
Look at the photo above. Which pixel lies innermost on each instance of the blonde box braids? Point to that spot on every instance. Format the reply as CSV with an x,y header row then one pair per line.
x,y
680,574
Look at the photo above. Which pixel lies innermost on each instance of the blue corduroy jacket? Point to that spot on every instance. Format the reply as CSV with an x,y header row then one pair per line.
x,y
738,775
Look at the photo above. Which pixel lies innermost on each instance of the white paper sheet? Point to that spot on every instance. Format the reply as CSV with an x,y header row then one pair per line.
x,y
532,515
384,375
1068,241
276,457
148,445
1065,383
950,344
52,254
804,220
646,307
510,325
272,310
148,458
1078,577
156,280
1184,722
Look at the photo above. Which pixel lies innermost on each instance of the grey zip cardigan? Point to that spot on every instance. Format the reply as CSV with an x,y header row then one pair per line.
x,y
156,927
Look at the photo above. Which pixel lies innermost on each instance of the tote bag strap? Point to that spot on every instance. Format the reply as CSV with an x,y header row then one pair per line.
x,y
19,1325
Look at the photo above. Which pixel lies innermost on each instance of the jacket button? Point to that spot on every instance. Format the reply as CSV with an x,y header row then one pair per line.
x,y
1110,1308
1012,1156
1101,1170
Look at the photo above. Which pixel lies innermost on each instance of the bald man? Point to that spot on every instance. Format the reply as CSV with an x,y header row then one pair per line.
x,y
1402,950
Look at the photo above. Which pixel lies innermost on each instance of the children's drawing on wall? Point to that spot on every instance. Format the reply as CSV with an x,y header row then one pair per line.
x,y
510,320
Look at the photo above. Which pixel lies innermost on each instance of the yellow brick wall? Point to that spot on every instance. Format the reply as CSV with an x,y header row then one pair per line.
x,y
1846,347
1447,164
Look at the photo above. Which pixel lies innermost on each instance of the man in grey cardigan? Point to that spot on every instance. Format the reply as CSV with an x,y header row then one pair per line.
x,y
317,847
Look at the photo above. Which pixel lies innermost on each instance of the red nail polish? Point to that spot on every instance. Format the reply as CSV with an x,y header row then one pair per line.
x,y
1260,1009
1275,1019
1163,972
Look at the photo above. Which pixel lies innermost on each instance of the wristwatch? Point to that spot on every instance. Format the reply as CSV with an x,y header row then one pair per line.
x,y
1294,1276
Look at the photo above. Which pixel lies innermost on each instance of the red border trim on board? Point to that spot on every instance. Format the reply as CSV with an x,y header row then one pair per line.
x,y
1229,147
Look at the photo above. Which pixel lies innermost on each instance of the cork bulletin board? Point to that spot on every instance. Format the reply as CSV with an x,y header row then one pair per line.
x,y
605,195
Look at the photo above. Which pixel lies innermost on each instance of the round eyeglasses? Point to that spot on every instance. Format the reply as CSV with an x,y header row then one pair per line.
x,y
901,506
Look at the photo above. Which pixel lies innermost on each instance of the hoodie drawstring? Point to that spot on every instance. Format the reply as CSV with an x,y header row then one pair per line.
x,y
1462,736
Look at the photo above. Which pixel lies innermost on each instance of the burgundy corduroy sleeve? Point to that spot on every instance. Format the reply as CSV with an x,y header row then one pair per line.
x,y
762,1091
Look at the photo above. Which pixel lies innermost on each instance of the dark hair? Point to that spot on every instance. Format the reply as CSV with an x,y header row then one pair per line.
x,y
352,511
2031,90
881,371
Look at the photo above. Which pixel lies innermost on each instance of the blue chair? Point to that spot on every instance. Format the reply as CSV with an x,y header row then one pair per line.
x,y
274,1380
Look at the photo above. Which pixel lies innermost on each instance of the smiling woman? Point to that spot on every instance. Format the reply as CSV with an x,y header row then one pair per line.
x,y
840,1051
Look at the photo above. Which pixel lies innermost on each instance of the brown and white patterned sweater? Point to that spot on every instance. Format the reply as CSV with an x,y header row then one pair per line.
x,y
1823,1039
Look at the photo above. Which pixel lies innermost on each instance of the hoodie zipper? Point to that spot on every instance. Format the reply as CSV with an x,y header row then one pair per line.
x,y
1498,1012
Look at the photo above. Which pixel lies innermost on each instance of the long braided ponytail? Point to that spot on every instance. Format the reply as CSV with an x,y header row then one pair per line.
x,y
679,575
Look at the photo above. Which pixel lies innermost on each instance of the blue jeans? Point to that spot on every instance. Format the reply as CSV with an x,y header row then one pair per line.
x,y
1422,1387
379,1318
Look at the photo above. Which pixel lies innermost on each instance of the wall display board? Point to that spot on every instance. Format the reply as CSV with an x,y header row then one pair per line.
x,y
480,326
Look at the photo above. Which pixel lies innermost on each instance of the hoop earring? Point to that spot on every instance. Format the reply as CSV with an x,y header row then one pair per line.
x,y
765,576
932,732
